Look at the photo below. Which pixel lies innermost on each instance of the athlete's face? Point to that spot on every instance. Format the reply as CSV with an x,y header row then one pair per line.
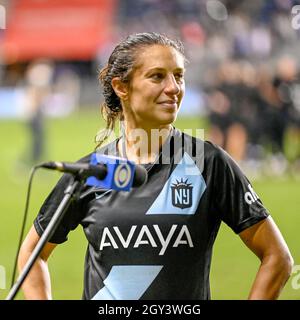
x,y
156,87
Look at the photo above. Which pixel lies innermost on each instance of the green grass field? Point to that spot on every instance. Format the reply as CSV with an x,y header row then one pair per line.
x,y
233,265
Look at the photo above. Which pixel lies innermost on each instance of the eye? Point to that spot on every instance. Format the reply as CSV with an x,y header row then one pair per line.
x,y
157,76
179,76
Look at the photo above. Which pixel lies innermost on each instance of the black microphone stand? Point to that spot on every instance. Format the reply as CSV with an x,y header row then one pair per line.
x,y
52,226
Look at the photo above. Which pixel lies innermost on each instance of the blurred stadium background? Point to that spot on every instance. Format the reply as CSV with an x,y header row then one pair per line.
x,y
243,88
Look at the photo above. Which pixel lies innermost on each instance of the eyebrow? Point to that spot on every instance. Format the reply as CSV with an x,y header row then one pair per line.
x,y
163,69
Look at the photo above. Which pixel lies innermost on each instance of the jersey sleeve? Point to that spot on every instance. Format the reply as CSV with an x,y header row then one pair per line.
x,y
237,203
71,217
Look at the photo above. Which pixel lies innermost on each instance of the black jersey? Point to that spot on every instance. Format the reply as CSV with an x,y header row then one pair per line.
x,y
155,242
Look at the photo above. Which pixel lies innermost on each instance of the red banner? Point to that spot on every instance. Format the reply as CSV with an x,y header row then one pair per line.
x,y
58,29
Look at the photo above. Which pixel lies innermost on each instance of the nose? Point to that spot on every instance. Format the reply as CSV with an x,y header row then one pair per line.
x,y
172,86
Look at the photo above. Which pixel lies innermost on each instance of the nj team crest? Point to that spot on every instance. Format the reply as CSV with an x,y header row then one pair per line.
x,y
182,194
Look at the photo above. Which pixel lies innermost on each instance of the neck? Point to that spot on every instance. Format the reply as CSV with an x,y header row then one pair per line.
x,y
143,144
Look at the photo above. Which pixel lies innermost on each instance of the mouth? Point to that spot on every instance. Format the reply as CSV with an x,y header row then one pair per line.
x,y
169,104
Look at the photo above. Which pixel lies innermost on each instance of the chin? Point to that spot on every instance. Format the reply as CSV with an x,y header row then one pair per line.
x,y
167,119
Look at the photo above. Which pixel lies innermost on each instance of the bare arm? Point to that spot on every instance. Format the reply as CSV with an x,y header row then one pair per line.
x,y
266,241
37,285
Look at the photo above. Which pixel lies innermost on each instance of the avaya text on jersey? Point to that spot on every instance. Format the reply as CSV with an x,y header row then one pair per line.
x,y
144,236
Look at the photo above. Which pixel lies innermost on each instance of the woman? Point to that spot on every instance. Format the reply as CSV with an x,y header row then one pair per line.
x,y
155,242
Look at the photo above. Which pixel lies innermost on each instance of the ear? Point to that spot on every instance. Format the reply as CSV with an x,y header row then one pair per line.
x,y
120,88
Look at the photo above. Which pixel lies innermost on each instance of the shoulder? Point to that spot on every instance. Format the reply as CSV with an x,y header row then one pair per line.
x,y
197,144
210,158
216,153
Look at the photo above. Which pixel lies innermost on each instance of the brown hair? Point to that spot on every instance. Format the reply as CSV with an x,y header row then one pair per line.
x,y
120,64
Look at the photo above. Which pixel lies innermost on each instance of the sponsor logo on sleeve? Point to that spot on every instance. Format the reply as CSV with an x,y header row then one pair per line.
x,y
250,196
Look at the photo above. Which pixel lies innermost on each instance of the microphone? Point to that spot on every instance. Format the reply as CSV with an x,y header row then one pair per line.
x,y
108,172
83,169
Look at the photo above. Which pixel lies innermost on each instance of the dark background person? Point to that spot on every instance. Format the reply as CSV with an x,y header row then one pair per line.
x,y
148,244
227,108
38,81
287,90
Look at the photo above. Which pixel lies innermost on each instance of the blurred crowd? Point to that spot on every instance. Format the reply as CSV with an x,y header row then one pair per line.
x,y
243,59
254,113
243,62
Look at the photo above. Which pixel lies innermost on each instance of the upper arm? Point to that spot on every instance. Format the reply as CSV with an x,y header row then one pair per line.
x,y
234,199
265,239
31,241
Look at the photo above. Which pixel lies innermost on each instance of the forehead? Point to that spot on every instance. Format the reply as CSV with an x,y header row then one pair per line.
x,y
158,56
